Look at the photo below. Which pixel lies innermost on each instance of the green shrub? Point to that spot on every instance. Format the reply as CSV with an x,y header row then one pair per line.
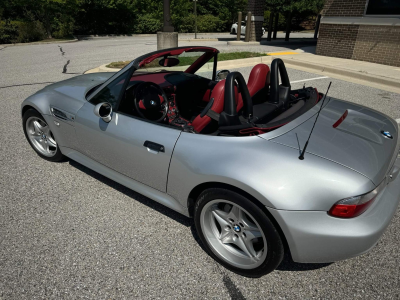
x,y
64,27
30,32
184,24
209,23
147,24
8,32
205,23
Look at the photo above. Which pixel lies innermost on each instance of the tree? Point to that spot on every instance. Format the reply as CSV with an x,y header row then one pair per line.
x,y
291,8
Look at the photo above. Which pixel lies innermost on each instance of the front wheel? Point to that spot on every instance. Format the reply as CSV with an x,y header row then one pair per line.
x,y
233,31
40,137
237,233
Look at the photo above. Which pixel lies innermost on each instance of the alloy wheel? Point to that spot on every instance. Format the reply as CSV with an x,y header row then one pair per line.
x,y
233,234
41,137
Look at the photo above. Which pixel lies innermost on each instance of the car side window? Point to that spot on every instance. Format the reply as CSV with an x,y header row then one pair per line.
x,y
111,92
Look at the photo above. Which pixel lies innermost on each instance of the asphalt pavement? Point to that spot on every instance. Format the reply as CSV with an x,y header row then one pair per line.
x,y
67,232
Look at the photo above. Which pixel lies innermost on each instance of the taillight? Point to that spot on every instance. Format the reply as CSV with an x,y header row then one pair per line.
x,y
354,206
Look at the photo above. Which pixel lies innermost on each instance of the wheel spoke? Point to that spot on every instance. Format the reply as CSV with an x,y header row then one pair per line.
x,y
37,138
235,213
46,130
253,234
37,127
248,225
247,247
226,237
51,143
220,216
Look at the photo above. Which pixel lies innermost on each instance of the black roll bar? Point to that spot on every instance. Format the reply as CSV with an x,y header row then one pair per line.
x,y
278,65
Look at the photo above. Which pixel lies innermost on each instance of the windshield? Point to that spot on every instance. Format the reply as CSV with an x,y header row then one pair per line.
x,y
180,62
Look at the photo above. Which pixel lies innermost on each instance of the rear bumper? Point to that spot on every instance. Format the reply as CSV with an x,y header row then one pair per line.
x,y
316,237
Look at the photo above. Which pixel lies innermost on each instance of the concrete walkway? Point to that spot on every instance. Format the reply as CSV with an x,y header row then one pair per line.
x,y
375,75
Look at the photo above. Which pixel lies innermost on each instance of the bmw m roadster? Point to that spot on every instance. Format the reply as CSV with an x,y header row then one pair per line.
x,y
261,168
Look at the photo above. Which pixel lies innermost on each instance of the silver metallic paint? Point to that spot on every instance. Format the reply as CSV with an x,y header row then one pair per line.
x,y
314,236
141,188
270,172
119,145
356,143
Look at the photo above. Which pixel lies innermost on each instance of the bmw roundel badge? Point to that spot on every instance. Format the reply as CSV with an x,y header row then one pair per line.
x,y
152,102
236,228
387,134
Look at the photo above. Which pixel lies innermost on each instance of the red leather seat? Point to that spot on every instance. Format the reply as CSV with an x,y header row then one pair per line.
x,y
258,84
218,93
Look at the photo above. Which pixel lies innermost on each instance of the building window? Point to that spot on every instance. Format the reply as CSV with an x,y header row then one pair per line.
x,y
383,7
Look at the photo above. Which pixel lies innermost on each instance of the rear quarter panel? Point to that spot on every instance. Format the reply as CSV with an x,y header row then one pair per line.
x,y
270,172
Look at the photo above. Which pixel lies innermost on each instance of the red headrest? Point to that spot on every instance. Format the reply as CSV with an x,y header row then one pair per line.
x,y
259,78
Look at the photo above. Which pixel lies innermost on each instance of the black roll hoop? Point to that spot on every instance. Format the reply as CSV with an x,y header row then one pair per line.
x,y
230,116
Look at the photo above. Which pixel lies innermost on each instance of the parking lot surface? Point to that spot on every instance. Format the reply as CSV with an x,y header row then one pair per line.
x,y
67,232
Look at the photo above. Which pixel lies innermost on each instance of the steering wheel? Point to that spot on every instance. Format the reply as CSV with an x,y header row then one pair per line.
x,y
151,102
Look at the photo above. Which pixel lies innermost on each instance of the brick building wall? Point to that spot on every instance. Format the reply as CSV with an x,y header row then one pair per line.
x,y
337,40
344,8
378,44
373,43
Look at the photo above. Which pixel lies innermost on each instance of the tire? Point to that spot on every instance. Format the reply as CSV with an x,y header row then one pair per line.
x,y
212,212
38,141
233,31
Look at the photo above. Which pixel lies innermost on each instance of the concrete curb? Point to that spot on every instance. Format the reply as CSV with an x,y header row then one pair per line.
x,y
102,36
101,68
242,43
39,43
198,40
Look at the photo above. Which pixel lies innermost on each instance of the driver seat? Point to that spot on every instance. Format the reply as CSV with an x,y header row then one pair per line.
x,y
203,122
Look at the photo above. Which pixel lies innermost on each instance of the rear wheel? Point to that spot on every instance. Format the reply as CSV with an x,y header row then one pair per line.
x,y
233,31
40,137
237,233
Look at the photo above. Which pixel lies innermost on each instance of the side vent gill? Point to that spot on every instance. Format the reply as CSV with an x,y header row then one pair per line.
x,y
62,114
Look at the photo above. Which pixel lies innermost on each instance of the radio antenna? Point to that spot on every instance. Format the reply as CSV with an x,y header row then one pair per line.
x,y
301,157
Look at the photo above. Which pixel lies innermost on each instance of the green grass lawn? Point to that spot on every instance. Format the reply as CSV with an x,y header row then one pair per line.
x,y
56,40
188,60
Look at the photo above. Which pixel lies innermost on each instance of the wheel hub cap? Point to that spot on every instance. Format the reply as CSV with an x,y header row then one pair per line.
x,y
236,228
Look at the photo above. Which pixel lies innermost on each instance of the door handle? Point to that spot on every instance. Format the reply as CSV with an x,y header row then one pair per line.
x,y
154,146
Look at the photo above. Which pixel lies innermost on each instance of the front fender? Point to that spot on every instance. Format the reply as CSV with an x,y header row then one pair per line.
x,y
270,172
62,129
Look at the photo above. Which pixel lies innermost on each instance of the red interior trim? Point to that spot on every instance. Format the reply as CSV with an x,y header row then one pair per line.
x,y
179,51
341,119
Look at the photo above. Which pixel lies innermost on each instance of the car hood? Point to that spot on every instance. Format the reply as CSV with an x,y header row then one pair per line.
x,y
78,86
357,142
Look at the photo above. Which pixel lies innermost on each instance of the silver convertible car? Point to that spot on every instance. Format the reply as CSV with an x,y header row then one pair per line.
x,y
261,168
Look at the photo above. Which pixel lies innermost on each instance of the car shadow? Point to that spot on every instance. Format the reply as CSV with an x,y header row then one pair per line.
x,y
287,263
134,195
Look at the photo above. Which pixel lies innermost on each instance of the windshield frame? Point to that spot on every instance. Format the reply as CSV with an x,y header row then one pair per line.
x,y
134,65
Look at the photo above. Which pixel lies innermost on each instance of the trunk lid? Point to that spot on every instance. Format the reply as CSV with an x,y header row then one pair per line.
x,y
358,142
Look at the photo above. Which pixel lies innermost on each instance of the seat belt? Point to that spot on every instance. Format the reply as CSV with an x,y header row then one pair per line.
x,y
213,115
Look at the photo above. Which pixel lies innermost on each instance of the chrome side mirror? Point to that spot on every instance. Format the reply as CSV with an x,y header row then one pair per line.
x,y
222,74
104,111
